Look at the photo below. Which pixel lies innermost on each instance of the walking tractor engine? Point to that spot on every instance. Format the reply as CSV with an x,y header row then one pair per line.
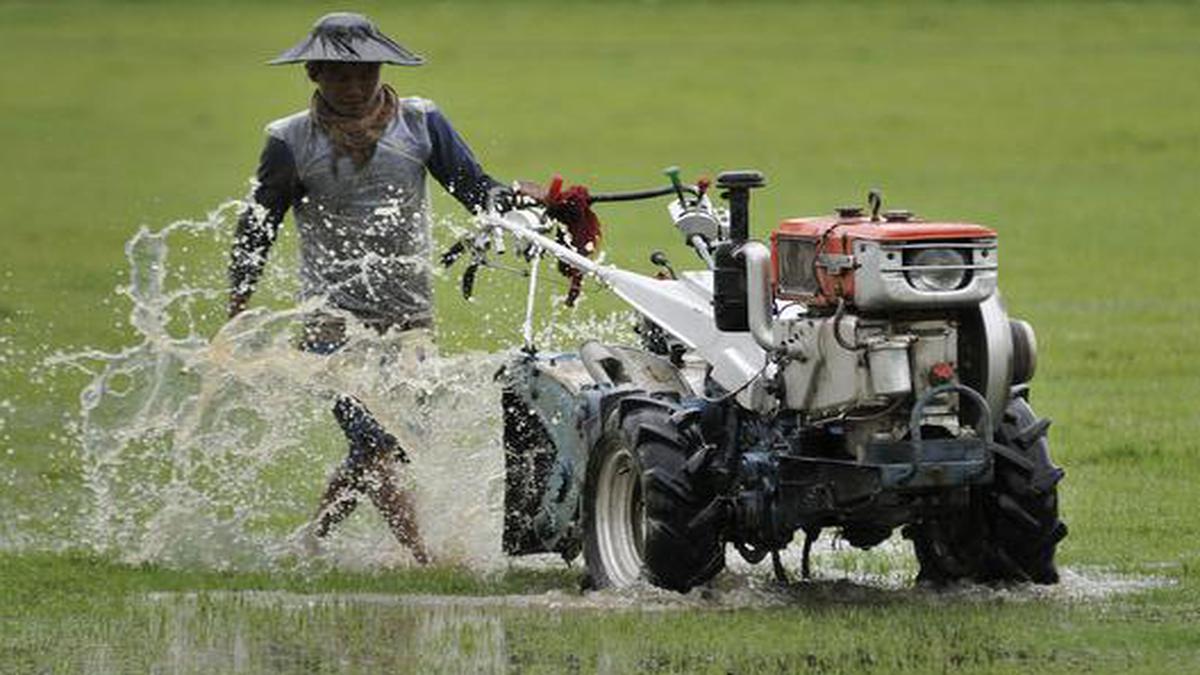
x,y
859,373
885,302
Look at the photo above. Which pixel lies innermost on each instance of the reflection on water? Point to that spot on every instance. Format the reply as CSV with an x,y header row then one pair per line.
x,y
302,634
636,630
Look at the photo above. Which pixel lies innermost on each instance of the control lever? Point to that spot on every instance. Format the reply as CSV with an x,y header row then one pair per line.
x,y
659,259
672,172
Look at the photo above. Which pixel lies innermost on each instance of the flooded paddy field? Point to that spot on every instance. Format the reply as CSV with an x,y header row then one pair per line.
x,y
157,463
91,616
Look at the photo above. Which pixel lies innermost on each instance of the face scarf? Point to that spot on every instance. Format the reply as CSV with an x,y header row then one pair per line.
x,y
355,137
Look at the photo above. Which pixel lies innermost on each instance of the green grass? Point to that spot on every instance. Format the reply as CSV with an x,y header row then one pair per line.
x,y
1069,127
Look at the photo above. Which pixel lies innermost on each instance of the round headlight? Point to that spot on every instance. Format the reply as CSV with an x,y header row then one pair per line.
x,y
929,276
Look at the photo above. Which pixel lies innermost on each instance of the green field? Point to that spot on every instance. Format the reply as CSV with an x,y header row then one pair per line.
x,y
1071,128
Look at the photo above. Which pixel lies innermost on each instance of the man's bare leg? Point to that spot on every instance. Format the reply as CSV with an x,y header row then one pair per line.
x,y
396,505
368,468
338,501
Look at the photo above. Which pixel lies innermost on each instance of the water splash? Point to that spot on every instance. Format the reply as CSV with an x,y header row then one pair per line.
x,y
213,450
208,442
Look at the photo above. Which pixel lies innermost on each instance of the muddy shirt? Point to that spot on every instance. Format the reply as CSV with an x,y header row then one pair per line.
x,y
365,234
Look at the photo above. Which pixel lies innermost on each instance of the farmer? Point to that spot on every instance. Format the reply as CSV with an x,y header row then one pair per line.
x,y
352,169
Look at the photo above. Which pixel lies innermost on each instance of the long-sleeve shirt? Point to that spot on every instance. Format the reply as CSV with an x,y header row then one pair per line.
x,y
364,232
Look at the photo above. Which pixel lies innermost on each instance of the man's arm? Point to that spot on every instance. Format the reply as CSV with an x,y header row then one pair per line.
x,y
278,187
453,165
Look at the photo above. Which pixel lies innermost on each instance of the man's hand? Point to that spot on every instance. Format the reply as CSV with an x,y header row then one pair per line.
x,y
521,194
532,189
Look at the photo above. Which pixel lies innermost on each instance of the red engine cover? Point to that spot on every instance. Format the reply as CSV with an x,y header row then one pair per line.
x,y
834,235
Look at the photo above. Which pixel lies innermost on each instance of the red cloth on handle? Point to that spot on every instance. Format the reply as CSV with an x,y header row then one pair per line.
x,y
572,208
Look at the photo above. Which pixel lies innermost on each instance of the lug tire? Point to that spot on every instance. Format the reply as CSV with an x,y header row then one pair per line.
x,y
639,504
1010,530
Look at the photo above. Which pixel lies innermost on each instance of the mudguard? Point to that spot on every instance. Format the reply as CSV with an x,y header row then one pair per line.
x,y
554,412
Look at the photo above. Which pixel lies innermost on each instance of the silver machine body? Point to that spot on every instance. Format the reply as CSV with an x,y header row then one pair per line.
x,y
829,366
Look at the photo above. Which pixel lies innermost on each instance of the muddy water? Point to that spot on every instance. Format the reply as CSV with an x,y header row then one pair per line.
x,y
289,632
212,450
207,443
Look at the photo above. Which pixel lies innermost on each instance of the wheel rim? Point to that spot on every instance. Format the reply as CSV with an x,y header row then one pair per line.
x,y
620,518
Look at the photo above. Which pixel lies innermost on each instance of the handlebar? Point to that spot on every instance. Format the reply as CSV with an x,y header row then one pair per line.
x,y
502,199
635,195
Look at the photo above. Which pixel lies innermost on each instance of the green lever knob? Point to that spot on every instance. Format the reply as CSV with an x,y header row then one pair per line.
x,y
672,172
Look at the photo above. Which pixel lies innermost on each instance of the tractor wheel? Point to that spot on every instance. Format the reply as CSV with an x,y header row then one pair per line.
x,y
1011,528
639,503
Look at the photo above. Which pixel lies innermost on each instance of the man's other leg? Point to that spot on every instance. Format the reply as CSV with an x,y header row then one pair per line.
x,y
339,500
